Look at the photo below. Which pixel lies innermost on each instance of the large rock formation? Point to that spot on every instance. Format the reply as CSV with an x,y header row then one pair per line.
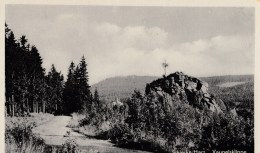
x,y
188,89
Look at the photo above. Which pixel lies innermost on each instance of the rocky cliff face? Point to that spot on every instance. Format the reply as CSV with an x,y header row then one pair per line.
x,y
188,89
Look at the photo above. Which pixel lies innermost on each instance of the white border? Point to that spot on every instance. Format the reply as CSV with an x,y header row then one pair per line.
x,y
176,3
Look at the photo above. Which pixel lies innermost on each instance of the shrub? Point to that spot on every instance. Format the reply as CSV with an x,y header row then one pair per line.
x,y
76,120
70,146
120,134
19,137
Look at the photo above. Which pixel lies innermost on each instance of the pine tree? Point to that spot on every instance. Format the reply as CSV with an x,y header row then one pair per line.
x,y
96,99
85,100
10,64
28,89
36,78
69,91
76,95
55,89
24,74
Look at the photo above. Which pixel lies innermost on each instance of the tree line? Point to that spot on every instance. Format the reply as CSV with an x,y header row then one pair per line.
x,y
29,89
145,123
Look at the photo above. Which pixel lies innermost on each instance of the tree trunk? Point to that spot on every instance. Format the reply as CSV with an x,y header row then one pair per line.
x,y
43,107
34,108
23,101
28,108
40,108
9,109
12,103
12,109
37,107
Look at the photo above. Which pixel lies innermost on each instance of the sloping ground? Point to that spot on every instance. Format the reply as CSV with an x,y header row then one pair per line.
x,y
217,80
121,87
230,84
53,133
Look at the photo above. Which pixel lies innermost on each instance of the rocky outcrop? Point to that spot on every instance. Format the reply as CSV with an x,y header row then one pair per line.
x,y
188,89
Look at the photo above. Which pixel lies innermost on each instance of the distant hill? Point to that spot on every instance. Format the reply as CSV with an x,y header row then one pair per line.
x,y
122,87
219,80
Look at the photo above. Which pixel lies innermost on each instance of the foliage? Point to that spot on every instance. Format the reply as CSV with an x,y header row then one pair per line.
x,y
76,120
27,88
121,134
76,94
19,136
146,122
54,91
70,146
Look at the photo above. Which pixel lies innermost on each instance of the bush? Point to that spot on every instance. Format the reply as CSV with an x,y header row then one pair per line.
x,y
70,146
120,134
19,137
76,120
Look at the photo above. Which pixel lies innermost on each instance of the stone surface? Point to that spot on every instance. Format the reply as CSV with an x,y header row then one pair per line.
x,y
186,88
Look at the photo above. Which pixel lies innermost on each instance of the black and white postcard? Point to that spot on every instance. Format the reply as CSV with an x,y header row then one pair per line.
x,y
133,77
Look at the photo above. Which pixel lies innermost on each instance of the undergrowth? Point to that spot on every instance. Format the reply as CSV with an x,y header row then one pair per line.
x,y
19,137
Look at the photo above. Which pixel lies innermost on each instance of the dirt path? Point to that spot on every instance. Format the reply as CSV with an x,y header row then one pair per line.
x,y
54,130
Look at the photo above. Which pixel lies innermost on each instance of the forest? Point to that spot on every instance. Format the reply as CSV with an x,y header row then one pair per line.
x,y
143,121
29,88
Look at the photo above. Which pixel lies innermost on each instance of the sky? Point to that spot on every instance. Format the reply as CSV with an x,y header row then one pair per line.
x,y
135,40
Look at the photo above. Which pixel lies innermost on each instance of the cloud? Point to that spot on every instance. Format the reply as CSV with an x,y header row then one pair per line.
x,y
140,50
119,49
113,50
219,55
138,37
144,38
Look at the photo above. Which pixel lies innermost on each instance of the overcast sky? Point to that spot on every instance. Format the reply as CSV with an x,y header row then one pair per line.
x,y
120,41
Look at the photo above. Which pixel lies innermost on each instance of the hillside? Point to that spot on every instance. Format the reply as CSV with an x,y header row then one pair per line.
x,y
218,80
122,87
187,100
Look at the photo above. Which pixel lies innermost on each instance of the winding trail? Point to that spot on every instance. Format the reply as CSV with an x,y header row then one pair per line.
x,y
54,130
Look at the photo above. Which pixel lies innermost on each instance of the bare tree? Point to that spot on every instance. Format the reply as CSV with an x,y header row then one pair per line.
x,y
165,65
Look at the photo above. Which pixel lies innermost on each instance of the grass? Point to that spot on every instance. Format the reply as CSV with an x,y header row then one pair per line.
x,y
75,120
88,130
75,124
18,134
19,137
